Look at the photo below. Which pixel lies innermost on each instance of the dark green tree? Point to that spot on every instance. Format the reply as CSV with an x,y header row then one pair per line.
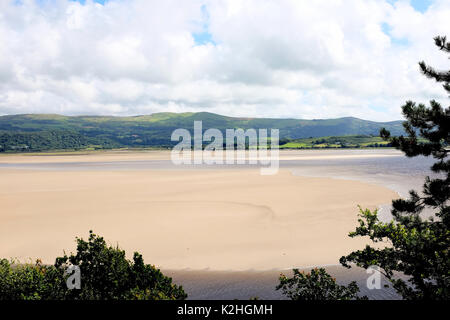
x,y
106,274
30,281
418,247
316,285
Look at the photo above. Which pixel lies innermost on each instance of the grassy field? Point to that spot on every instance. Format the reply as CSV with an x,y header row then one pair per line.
x,y
355,141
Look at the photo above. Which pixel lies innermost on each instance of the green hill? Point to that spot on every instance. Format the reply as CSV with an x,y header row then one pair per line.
x,y
37,132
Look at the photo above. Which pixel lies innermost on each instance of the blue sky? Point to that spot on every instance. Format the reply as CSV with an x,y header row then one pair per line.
x,y
204,37
421,5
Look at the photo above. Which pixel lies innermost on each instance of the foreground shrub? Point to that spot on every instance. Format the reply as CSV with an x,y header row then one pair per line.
x,y
106,274
317,285
30,281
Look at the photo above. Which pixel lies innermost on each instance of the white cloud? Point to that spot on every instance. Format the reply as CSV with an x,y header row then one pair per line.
x,y
304,59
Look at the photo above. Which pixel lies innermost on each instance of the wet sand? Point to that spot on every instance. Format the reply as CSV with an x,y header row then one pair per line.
x,y
222,234
243,285
149,155
198,219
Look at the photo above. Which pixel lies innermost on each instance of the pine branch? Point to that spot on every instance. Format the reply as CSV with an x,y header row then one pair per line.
x,y
439,76
442,44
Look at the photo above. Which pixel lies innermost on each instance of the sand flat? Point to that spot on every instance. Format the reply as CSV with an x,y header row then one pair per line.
x,y
145,155
197,219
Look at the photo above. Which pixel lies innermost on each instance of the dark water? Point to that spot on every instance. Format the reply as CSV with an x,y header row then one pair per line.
x,y
397,172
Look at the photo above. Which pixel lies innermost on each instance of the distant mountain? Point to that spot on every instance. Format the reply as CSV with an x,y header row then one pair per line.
x,y
26,131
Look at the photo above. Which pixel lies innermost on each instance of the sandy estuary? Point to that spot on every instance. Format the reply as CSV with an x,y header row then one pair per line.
x,y
216,219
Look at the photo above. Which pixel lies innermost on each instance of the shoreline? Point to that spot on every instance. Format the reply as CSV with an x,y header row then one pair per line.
x,y
162,149
132,155
243,285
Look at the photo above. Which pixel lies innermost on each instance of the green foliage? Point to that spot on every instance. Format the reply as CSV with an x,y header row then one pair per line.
x,y
37,132
106,274
49,140
418,247
317,285
354,141
29,281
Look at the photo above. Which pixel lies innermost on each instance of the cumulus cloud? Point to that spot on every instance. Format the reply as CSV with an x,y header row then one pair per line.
x,y
283,58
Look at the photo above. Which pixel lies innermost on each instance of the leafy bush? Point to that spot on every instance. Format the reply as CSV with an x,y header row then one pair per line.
x,y
30,281
317,285
106,274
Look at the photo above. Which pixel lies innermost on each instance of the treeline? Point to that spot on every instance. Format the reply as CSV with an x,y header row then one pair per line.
x,y
351,141
50,140
36,141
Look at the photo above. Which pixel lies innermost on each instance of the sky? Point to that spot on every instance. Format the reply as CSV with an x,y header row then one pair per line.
x,y
247,58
